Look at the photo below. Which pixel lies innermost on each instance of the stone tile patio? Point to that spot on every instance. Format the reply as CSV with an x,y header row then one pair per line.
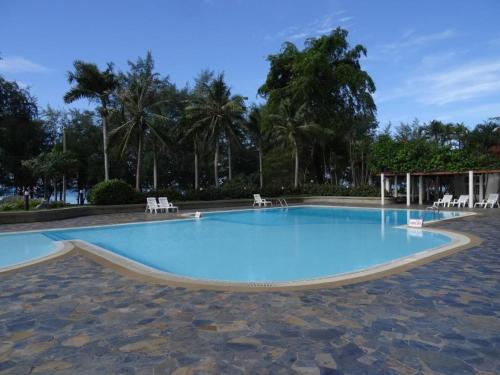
x,y
73,316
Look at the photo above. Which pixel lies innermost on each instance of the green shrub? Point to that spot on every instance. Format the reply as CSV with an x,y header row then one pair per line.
x,y
18,204
58,204
114,192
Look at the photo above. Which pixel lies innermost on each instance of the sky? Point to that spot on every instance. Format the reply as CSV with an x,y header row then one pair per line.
x,y
429,59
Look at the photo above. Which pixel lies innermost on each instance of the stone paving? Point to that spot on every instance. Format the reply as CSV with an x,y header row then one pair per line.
x,y
73,316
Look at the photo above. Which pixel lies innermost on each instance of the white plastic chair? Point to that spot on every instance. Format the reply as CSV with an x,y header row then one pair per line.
x,y
166,205
491,201
445,201
152,205
460,202
258,200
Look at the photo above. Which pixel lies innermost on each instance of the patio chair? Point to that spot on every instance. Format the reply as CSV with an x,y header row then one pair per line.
x,y
445,201
460,202
166,205
152,205
258,200
491,201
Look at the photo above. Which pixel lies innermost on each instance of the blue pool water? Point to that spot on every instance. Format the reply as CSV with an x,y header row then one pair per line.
x,y
21,248
257,245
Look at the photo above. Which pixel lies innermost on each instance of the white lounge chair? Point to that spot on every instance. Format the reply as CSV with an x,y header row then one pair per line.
x,y
258,200
445,201
166,205
152,205
491,201
460,202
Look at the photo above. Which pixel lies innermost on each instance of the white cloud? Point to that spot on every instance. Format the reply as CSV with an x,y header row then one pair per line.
x,y
462,83
485,111
434,60
495,42
345,19
17,64
315,28
299,36
409,39
407,42
407,33
452,85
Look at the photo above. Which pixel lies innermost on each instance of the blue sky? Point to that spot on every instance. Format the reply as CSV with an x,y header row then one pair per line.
x,y
429,59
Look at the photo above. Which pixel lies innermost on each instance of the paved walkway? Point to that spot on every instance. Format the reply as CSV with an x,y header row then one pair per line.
x,y
91,220
72,316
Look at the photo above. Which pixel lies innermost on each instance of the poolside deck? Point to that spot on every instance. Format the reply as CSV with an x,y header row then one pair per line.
x,y
75,316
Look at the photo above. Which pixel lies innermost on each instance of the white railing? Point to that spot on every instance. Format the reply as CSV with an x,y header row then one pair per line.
x,y
283,203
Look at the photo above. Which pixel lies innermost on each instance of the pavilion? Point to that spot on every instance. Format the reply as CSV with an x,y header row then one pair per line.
x,y
487,181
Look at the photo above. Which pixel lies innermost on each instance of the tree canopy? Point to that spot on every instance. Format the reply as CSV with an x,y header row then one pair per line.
x,y
437,146
315,125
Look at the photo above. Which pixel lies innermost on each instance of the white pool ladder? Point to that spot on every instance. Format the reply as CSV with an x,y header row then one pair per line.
x,y
283,203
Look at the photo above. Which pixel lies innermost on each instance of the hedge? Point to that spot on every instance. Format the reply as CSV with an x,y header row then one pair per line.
x,y
114,192
119,192
246,191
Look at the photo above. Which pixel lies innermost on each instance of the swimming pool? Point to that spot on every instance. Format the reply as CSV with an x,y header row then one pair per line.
x,y
263,245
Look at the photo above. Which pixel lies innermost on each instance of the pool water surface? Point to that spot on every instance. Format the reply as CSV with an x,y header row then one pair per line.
x,y
263,245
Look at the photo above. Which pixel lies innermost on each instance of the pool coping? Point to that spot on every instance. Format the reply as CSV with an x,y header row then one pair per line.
x,y
141,272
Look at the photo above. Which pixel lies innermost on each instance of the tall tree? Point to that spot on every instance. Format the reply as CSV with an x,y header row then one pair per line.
x,y
257,134
97,86
194,129
485,136
83,134
195,133
327,78
218,112
141,96
52,166
290,129
22,134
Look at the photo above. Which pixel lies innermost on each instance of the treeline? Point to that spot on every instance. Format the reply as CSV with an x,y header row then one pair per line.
x,y
437,146
316,125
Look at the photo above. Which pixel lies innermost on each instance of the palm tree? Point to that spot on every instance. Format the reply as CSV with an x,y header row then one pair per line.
x,y
195,132
436,131
461,134
290,128
195,129
142,98
217,112
96,86
254,127
158,141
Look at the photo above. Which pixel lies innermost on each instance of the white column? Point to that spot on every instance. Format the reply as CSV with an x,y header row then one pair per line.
x,y
388,184
427,190
382,189
408,189
420,190
481,187
395,186
471,189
